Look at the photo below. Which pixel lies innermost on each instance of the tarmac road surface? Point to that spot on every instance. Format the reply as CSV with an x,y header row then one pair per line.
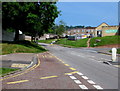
x,y
66,68
90,63
49,73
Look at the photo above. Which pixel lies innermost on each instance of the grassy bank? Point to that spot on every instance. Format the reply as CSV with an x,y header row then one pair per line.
x,y
47,41
20,47
107,40
6,70
71,43
118,50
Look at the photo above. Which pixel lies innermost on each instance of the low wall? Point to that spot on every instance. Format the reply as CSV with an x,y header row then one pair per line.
x,y
8,36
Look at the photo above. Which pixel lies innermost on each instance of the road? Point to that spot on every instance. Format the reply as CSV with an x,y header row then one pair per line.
x,y
66,68
90,63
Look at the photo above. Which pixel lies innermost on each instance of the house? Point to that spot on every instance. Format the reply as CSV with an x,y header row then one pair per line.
x,y
110,30
89,31
106,30
48,36
98,29
102,30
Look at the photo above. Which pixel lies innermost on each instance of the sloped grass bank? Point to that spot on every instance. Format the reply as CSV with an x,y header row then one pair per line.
x,y
21,47
107,40
47,41
118,50
73,43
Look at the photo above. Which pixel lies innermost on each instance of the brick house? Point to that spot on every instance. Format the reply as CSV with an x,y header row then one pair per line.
x,y
102,30
109,30
81,31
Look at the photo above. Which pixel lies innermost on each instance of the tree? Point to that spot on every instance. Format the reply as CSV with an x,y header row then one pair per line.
x,y
59,29
31,18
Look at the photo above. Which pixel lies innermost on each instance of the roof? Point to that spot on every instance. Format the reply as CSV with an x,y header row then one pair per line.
x,y
90,27
102,23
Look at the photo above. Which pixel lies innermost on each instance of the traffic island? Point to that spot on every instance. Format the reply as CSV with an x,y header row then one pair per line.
x,y
115,64
17,62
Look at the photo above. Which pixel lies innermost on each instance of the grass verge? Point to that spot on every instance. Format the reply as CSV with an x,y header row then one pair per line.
x,y
21,47
71,43
107,40
47,41
118,51
4,71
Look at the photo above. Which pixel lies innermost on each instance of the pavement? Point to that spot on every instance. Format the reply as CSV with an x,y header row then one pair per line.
x,y
106,51
18,60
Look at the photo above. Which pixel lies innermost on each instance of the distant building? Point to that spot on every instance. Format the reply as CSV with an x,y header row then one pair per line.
x,y
110,30
106,30
102,30
98,29
81,31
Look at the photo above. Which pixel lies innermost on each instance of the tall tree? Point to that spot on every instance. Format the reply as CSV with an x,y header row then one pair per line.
x,y
60,29
31,18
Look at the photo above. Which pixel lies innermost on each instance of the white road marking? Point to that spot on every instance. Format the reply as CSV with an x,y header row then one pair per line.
x,y
109,60
93,59
90,81
97,87
72,77
81,55
85,77
92,56
77,81
100,61
83,87
106,59
79,73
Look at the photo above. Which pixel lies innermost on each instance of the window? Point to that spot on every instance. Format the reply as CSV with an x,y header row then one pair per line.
x,y
68,32
88,30
91,30
83,30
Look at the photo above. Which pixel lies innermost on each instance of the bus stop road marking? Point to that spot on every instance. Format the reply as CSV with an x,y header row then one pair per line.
x,y
72,68
48,77
17,82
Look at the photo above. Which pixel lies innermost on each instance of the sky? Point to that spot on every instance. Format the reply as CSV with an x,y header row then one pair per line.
x,y
88,13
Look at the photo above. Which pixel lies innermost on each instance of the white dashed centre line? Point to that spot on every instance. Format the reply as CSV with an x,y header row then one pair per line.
x,y
97,87
72,77
85,77
90,81
79,73
77,81
83,87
